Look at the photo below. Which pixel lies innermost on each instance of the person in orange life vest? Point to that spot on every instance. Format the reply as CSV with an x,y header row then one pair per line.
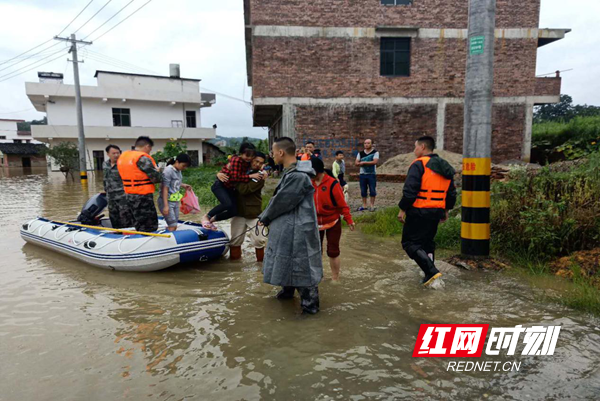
x,y
330,204
139,173
309,150
428,195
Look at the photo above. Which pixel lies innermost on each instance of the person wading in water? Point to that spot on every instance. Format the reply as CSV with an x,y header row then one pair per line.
x,y
428,195
330,204
293,256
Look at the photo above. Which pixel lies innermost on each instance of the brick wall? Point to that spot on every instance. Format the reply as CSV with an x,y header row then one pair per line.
x,y
394,129
508,120
370,13
547,86
338,67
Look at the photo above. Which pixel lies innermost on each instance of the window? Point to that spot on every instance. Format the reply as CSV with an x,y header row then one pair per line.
x,y
17,141
3,137
27,141
190,118
193,154
395,57
396,2
121,117
98,156
176,123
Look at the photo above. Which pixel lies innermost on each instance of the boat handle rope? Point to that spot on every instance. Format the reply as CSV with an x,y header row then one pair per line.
x,y
85,240
136,248
67,232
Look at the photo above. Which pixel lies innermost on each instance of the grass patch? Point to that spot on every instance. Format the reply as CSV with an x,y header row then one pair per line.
x,y
201,179
384,223
575,138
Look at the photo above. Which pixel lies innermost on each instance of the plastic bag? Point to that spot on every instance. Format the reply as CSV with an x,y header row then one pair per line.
x,y
189,203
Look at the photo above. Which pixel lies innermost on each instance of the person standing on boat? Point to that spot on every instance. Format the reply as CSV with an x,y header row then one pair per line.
x,y
170,196
139,173
118,208
293,256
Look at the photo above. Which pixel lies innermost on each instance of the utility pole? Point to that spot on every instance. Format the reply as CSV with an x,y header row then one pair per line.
x,y
477,145
82,163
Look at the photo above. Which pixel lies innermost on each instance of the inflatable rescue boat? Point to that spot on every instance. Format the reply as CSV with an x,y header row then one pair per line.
x,y
92,240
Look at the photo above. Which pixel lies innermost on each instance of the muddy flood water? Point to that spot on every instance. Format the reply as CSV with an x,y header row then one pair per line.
x,y
213,331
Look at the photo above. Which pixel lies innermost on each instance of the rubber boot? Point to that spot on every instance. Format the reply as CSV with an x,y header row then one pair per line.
x,y
309,300
286,293
235,252
260,254
428,267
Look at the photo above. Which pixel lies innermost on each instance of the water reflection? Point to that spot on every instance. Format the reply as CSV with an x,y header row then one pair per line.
x,y
214,331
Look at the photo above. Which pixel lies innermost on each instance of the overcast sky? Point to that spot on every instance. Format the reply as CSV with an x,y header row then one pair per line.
x,y
207,39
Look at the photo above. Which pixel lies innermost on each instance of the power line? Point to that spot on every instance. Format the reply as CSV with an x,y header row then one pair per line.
x,y
29,57
33,68
105,22
18,111
116,60
77,16
33,48
41,44
35,62
552,73
97,12
120,22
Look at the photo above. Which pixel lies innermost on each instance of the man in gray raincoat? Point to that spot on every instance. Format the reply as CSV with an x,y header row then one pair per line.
x,y
293,256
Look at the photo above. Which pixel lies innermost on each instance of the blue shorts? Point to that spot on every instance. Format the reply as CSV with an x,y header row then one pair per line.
x,y
368,181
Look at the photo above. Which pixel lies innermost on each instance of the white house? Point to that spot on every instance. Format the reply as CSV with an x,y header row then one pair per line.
x,y
9,133
121,108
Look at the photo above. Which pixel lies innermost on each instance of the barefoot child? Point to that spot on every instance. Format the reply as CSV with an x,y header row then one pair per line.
x,y
293,255
237,171
170,194
330,204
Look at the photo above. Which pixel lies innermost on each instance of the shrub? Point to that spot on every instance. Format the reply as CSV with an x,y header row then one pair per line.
x,y
201,179
549,213
575,139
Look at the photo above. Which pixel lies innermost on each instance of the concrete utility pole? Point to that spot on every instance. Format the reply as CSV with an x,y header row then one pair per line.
x,y
477,145
78,106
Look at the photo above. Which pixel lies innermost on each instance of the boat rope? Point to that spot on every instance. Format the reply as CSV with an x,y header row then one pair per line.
x,y
257,232
134,249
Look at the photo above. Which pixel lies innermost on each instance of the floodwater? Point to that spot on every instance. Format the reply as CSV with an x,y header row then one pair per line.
x,y
214,331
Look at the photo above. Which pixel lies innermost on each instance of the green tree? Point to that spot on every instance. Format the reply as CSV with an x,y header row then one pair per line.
x,y
26,125
171,150
564,111
66,155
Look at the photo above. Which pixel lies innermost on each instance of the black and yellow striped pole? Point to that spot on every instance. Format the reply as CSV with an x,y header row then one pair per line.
x,y
475,228
477,145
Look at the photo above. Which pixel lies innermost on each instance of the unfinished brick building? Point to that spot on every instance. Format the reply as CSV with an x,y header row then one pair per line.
x,y
338,71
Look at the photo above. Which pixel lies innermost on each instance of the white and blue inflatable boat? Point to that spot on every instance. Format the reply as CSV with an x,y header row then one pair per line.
x,y
100,246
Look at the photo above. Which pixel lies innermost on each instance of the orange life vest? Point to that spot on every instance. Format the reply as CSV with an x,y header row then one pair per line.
x,y
434,188
135,181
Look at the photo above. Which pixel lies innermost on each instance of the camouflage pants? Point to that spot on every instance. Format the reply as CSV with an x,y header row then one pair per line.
x,y
144,212
120,213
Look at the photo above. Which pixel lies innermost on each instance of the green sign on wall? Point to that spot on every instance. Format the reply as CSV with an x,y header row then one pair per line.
x,y
476,44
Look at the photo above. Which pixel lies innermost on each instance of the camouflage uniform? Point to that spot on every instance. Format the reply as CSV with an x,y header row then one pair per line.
x,y
142,206
118,207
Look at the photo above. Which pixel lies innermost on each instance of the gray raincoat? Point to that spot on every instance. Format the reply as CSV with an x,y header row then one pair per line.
x,y
293,255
